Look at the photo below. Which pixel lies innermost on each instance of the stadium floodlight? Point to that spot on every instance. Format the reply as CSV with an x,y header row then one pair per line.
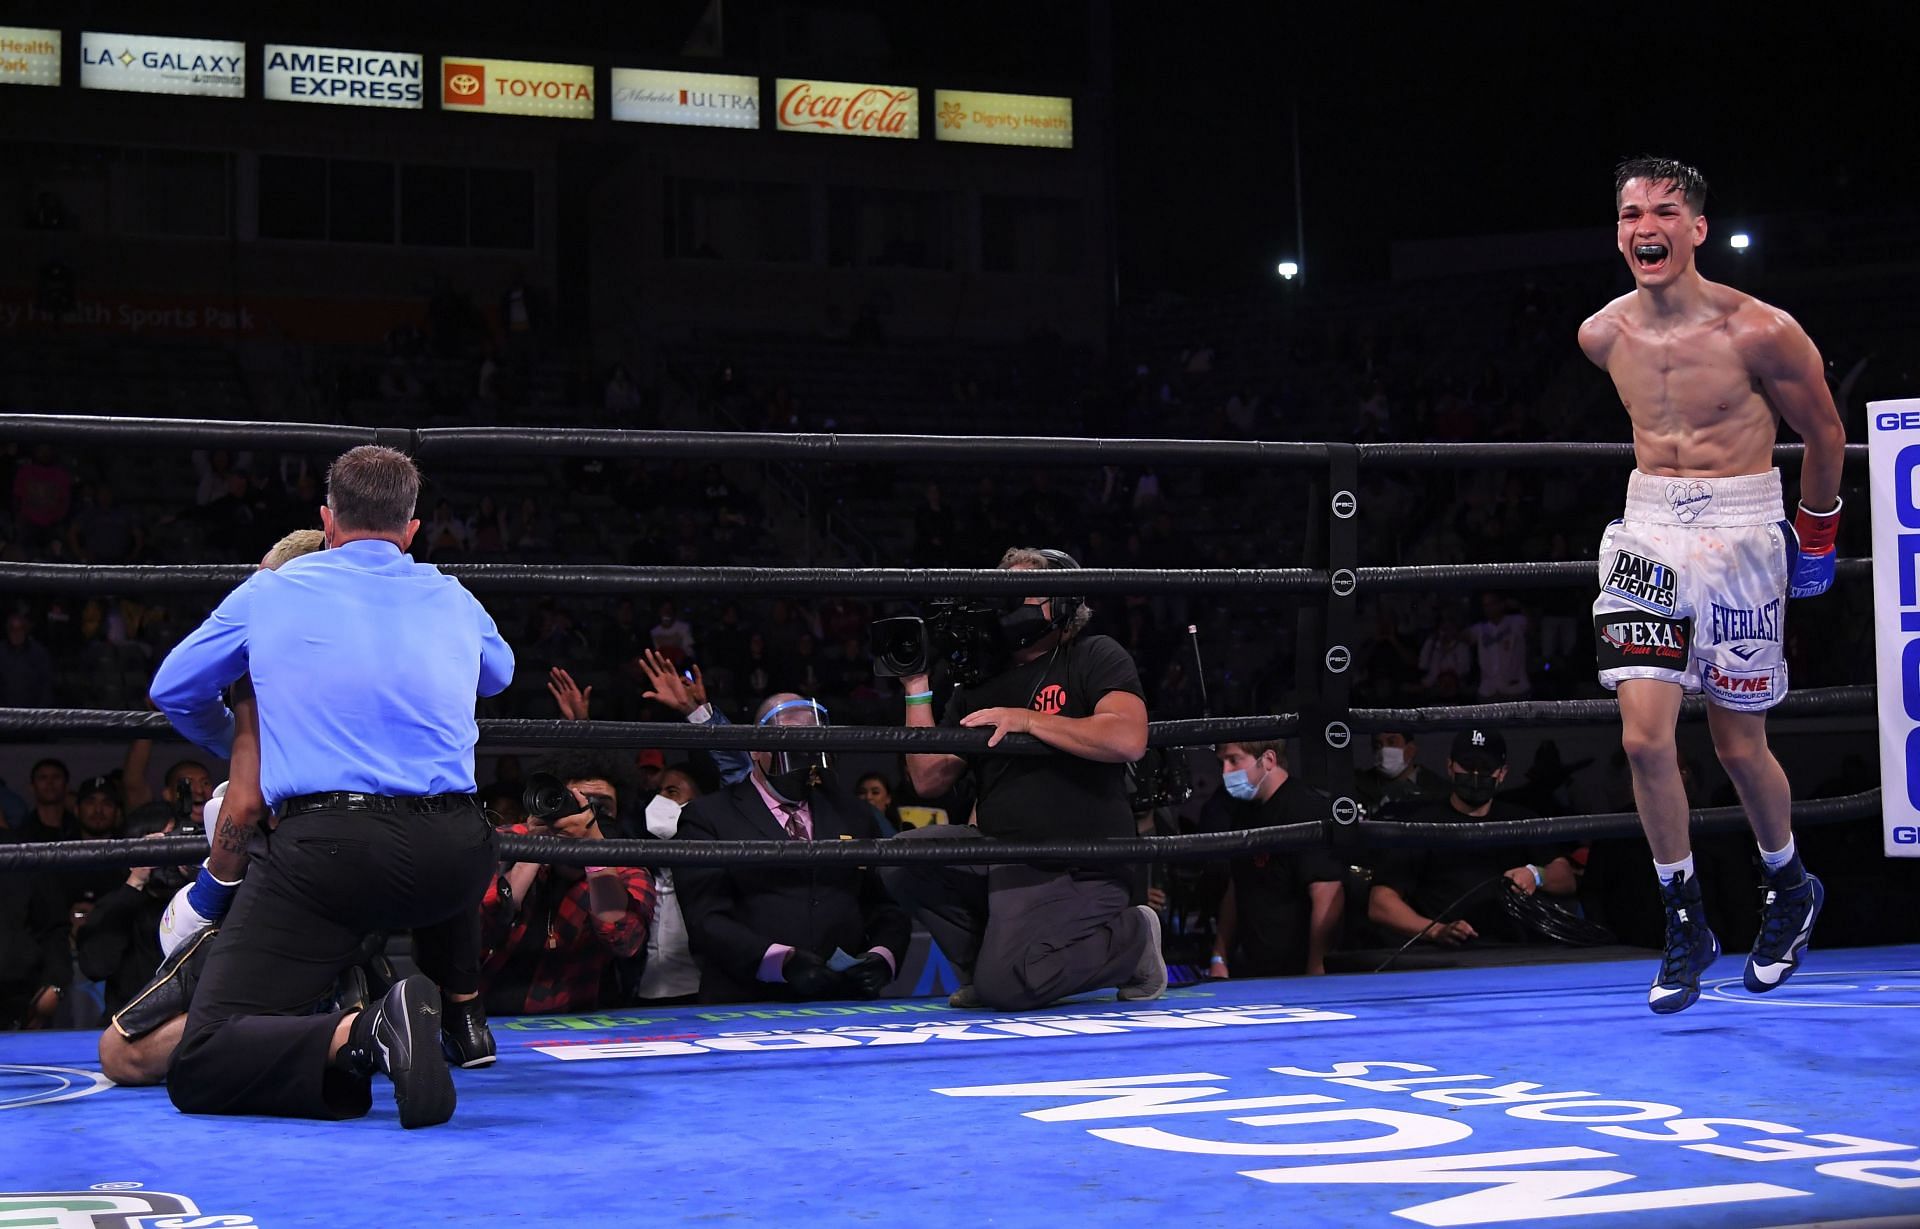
x,y
1288,269
1740,241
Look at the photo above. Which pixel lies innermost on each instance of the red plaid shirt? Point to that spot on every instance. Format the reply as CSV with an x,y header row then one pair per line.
x,y
552,945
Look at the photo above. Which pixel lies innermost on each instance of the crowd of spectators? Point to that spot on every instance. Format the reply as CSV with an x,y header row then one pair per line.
x,y
1367,375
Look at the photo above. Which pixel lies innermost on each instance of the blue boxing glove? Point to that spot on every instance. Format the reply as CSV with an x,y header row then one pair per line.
x,y
1813,571
194,908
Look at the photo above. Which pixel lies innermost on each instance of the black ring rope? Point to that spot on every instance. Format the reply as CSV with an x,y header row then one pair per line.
x,y
434,444
868,582
443,443
21,724
171,850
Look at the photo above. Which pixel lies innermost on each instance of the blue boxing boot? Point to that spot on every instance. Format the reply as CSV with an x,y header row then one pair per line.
x,y
1691,947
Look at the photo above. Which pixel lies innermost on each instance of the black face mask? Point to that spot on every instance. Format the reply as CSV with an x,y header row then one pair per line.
x,y
794,776
1024,625
1476,789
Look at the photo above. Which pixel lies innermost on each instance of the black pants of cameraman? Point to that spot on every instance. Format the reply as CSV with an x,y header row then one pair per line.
x,y
1028,935
316,886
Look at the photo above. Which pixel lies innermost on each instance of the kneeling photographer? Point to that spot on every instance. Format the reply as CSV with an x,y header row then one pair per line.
x,y
119,942
1024,936
550,935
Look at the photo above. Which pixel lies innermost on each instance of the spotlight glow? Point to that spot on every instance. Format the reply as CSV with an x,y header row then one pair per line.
x,y
1740,242
1289,270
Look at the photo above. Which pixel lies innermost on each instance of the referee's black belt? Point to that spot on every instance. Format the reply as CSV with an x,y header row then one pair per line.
x,y
342,800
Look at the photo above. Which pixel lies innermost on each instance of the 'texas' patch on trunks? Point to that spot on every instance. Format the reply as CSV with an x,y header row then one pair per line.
x,y
1627,639
1643,581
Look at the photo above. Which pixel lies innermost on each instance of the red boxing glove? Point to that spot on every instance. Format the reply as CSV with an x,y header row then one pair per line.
x,y
1813,570
1817,530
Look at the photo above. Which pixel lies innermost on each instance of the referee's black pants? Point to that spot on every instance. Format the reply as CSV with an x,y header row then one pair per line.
x,y
316,886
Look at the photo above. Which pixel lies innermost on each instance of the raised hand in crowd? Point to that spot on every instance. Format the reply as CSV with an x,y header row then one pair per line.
x,y
680,693
569,695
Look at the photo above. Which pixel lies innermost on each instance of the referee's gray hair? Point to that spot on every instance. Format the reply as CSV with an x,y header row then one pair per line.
x,y
373,489
1034,557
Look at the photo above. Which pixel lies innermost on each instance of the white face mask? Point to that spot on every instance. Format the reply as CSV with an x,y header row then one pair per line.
x,y
1391,760
663,817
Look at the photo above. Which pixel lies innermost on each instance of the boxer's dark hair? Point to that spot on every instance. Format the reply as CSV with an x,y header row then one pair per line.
x,y
615,770
1684,179
373,489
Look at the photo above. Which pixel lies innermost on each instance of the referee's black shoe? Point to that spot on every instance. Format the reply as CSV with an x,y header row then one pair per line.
x,y
405,1040
464,1036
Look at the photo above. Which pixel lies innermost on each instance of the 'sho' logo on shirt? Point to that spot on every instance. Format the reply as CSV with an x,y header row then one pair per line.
x,y
1052,699
1645,582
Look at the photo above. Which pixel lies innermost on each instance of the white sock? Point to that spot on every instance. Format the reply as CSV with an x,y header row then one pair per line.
x,y
1669,871
1775,859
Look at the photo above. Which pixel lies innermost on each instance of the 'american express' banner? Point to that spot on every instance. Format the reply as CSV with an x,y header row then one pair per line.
x,y
342,76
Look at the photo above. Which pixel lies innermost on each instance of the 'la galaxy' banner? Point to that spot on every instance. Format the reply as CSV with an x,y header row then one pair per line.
x,y
149,65
342,76
1894,461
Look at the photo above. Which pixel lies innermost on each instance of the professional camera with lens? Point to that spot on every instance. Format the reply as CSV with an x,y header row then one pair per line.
x,y
1159,779
547,798
963,636
166,880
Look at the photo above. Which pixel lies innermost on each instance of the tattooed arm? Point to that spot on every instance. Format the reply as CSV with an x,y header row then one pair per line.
x,y
244,805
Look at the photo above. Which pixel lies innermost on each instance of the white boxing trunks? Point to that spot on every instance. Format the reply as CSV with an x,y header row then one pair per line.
x,y
1693,587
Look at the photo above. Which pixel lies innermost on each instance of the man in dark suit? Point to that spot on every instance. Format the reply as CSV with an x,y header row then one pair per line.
x,y
762,932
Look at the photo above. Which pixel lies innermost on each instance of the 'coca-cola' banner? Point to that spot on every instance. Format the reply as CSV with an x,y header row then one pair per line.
x,y
842,108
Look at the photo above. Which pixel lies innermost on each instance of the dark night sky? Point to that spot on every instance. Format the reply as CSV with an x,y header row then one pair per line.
x,y
1430,120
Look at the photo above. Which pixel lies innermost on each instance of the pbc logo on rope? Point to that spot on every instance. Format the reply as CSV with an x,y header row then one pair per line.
x,y
1643,581
1640,642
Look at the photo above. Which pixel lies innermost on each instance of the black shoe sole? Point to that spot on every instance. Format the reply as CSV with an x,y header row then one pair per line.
x,y
423,1087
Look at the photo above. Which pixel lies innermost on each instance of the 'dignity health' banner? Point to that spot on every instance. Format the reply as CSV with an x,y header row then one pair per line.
x,y
29,56
1894,461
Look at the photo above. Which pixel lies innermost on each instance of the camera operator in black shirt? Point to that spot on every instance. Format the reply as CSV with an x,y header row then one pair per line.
x,y
1023,936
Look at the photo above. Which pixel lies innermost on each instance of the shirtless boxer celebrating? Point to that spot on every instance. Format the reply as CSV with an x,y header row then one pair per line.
x,y
1693,580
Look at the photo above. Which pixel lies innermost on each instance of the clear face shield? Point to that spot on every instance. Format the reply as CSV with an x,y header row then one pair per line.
x,y
792,772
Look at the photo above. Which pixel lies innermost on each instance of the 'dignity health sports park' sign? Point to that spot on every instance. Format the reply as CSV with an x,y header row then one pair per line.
x,y
29,56
342,76
147,65
1003,119
1894,461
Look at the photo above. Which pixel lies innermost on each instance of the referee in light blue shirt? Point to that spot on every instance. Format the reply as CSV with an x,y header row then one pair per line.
x,y
365,667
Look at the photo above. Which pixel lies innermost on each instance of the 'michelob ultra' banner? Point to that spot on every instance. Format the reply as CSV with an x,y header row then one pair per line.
x,y
1894,461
